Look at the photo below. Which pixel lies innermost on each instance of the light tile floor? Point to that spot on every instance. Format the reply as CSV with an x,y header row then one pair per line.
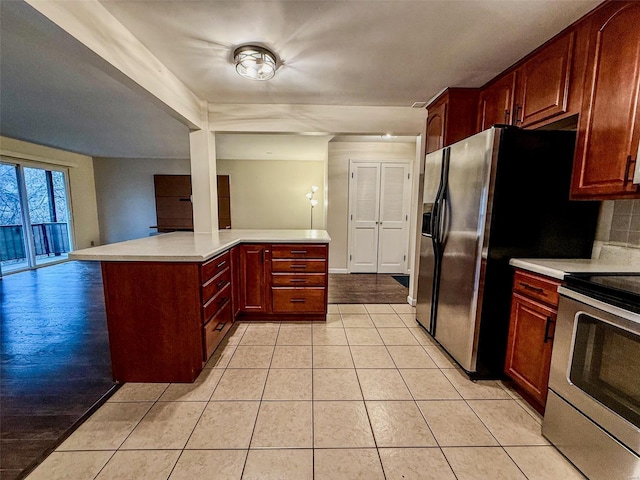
x,y
366,395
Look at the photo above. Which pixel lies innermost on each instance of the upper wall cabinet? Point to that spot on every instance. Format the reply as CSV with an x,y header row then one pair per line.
x,y
542,83
609,126
495,105
546,85
451,117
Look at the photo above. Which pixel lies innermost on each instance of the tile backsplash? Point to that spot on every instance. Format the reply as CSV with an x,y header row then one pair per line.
x,y
625,223
618,234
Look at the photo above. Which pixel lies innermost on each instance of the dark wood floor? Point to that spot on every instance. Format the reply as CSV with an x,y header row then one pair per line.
x,y
55,362
366,288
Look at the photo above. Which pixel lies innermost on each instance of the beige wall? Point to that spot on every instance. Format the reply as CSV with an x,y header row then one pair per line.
x,y
81,184
270,194
126,195
338,188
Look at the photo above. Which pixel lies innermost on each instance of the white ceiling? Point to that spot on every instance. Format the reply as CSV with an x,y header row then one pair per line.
x,y
357,52
360,52
55,93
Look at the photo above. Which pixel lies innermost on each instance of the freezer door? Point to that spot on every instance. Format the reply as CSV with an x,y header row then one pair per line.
x,y
462,225
427,266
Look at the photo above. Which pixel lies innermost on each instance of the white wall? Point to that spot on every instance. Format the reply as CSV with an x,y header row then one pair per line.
x,y
338,188
126,196
81,185
270,194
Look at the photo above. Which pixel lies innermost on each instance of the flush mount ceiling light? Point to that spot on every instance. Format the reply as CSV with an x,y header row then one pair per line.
x,y
254,62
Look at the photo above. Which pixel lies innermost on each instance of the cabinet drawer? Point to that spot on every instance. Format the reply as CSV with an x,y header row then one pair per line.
x,y
299,251
217,302
216,284
309,300
539,288
298,280
298,266
215,329
214,266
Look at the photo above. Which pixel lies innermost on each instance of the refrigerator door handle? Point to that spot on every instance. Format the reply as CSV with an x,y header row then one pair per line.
x,y
443,220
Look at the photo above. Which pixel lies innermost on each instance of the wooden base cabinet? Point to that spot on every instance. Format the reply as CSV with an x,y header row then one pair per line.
x,y
299,279
283,281
534,308
166,319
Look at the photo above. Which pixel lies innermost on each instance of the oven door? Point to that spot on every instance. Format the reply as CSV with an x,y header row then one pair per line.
x,y
595,365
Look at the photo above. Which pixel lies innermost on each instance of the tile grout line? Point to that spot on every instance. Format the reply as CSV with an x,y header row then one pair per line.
x,y
364,402
132,430
253,430
182,450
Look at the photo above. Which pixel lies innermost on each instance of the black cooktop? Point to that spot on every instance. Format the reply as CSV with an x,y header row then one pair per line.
x,y
622,290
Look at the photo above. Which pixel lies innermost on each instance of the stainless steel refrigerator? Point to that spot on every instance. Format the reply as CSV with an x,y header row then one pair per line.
x,y
499,194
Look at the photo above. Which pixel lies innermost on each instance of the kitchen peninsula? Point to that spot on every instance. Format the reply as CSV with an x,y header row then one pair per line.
x,y
170,299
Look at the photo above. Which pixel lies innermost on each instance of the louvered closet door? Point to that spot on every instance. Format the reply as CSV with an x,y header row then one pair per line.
x,y
393,218
364,201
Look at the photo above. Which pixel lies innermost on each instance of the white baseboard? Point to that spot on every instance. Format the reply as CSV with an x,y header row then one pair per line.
x,y
411,301
338,270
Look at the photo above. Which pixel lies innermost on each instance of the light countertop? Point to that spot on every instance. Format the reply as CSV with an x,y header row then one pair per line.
x,y
192,247
558,268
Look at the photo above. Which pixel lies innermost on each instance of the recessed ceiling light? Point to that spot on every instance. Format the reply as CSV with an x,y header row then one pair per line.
x,y
255,62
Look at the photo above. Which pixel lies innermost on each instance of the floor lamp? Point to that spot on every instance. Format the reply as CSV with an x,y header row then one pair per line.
x,y
313,201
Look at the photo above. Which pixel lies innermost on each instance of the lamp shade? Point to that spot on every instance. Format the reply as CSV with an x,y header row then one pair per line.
x,y
254,62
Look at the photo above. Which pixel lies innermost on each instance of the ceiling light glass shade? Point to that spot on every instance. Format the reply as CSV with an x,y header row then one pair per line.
x,y
255,63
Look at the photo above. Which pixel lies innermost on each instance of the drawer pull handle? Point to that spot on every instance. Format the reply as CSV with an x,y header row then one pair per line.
x,y
220,327
298,300
298,252
298,280
221,264
533,289
546,330
221,283
627,169
298,266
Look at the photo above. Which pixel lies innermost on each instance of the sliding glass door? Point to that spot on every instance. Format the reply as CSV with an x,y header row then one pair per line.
x,y
13,244
35,224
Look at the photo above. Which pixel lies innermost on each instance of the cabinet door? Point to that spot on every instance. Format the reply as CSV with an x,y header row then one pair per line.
x,y
496,101
529,346
435,127
609,127
543,83
253,278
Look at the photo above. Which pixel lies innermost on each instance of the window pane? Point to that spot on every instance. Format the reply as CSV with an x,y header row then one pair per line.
x,y
12,244
60,196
